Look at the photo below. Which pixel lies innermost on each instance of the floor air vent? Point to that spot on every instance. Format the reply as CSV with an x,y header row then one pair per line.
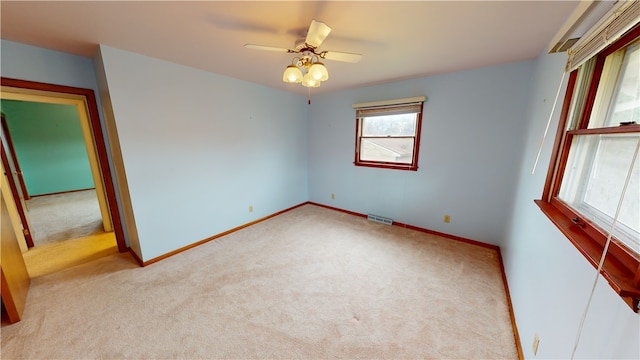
x,y
380,219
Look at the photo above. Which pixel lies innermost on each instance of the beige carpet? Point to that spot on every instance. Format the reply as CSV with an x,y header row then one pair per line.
x,y
310,283
65,216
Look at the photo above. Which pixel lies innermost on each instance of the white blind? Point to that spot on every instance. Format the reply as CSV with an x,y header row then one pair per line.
x,y
389,107
624,16
390,110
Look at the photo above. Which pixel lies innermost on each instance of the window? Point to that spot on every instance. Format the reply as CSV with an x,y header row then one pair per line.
x,y
593,186
388,133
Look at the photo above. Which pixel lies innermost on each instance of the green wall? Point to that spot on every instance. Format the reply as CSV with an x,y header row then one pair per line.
x,y
49,145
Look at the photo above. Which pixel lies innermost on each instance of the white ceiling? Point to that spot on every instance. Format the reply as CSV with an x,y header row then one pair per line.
x,y
398,40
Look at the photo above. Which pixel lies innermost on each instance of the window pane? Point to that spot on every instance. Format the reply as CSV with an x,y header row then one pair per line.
x,y
618,95
399,150
389,125
581,90
627,103
596,170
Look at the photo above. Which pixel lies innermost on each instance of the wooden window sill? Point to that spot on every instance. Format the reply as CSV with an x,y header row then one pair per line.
x,y
386,165
619,276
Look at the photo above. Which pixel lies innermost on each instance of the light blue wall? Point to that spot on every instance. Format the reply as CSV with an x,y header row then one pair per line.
x,y
549,280
468,160
25,62
200,148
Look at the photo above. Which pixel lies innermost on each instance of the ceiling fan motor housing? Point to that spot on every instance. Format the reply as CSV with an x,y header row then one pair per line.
x,y
300,44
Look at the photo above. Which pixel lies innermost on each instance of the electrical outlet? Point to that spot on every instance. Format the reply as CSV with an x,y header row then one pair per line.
x,y
536,342
250,208
447,218
333,196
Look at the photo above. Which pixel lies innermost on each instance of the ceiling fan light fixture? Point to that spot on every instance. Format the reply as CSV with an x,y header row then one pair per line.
x,y
292,75
306,67
318,71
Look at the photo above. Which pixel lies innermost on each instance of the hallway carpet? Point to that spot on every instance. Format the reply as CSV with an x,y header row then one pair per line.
x,y
310,283
64,216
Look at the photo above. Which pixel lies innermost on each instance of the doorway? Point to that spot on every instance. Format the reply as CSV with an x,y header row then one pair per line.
x,y
49,151
83,100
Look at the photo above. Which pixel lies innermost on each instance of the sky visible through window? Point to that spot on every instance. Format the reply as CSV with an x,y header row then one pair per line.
x,y
390,125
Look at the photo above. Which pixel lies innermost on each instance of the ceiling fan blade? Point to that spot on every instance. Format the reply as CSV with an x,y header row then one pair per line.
x,y
342,56
267,48
318,31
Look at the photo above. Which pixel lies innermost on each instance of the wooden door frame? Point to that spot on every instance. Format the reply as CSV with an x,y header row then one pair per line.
x,y
15,276
26,229
14,158
98,141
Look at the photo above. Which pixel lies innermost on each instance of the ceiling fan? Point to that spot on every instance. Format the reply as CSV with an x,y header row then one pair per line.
x,y
307,68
